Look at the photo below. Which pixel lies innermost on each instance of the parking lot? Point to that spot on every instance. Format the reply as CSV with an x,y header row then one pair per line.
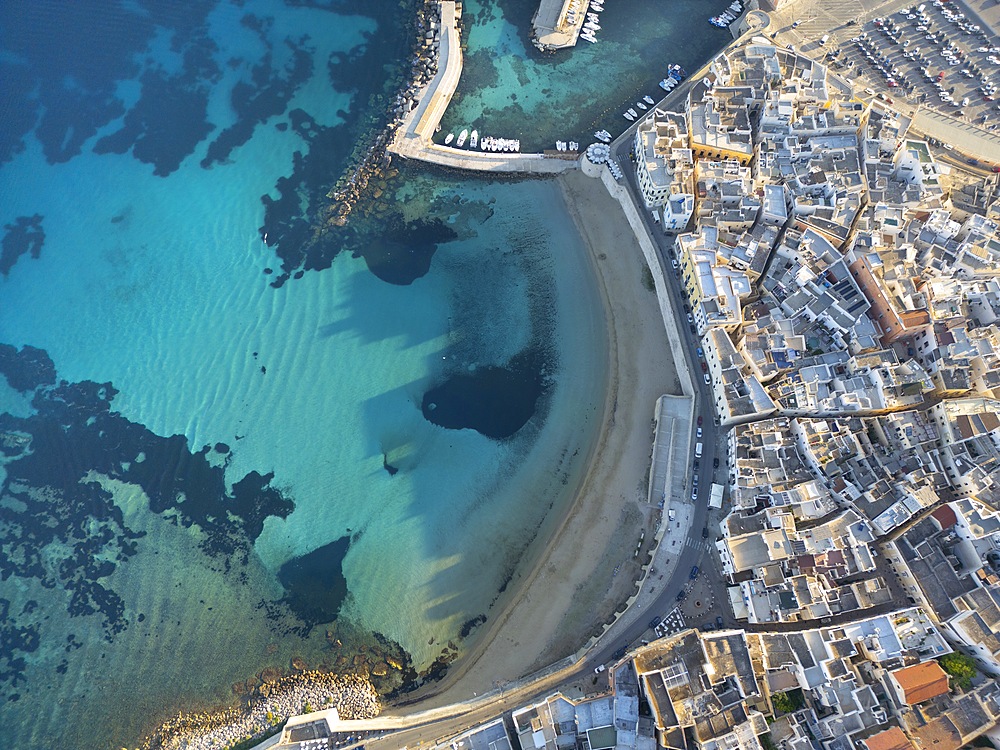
x,y
929,54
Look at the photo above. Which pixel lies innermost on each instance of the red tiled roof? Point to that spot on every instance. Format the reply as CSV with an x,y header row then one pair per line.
x,y
945,516
891,739
921,682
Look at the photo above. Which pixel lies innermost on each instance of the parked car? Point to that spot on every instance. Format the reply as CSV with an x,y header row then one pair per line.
x,y
599,668
681,595
700,419
708,380
654,622
718,622
704,533
698,433
694,573
715,461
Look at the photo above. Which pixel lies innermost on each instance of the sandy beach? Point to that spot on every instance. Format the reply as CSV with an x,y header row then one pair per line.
x,y
570,584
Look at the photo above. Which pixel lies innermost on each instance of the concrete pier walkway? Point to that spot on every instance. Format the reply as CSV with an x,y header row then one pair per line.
x,y
414,138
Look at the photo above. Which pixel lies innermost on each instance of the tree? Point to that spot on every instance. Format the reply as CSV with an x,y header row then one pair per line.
x,y
788,702
961,668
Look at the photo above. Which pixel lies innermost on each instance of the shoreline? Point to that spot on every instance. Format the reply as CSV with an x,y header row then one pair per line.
x,y
559,596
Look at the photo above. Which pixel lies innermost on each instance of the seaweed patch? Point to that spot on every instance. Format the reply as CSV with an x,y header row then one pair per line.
x,y
60,527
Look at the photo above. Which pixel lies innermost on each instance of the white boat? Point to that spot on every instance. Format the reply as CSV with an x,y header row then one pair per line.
x,y
474,139
461,138
449,138
628,117
589,37
641,106
648,99
593,17
665,84
633,112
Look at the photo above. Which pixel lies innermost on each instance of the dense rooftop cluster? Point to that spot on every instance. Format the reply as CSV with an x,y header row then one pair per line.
x,y
847,294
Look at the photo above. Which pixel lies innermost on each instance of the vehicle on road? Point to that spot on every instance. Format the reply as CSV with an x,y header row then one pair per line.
x,y
698,433
654,622
704,533
694,573
704,367
599,668
708,380
700,352
699,448
700,419
681,595
694,492
715,463
618,654
718,622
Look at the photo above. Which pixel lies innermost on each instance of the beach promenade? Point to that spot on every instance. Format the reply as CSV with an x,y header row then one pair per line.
x,y
414,139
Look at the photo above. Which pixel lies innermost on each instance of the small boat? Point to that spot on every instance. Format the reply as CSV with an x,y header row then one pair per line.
x,y
665,85
641,106
461,138
474,139
633,112
591,26
589,37
449,138
648,99
628,117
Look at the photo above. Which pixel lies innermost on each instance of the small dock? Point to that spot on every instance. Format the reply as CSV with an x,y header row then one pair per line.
x,y
414,138
550,29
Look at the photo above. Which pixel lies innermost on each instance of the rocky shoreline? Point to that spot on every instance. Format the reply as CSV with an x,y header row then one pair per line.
x,y
353,696
370,159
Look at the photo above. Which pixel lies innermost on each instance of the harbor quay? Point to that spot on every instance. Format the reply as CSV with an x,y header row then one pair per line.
x,y
413,139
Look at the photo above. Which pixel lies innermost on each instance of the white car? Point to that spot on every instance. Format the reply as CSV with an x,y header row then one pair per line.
x,y
599,668
708,380
698,433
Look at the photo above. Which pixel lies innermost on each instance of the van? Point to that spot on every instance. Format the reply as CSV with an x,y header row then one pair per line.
x,y
698,448
824,40
921,8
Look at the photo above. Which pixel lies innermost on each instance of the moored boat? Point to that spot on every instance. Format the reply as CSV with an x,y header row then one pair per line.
x,y
449,138
648,99
461,138
474,139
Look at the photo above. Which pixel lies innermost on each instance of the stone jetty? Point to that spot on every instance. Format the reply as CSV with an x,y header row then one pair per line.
x,y
271,703
413,138
370,158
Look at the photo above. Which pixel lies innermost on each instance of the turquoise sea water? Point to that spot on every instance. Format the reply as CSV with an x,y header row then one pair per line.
x,y
224,443
509,90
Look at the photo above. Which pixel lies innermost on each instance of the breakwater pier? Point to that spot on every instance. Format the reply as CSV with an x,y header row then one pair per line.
x,y
413,139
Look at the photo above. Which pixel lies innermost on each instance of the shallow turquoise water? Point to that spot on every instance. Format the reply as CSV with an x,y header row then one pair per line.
x,y
511,90
145,572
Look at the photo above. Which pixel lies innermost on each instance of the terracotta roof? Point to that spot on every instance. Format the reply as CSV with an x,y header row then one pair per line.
x,y
921,682
891,739
945,516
